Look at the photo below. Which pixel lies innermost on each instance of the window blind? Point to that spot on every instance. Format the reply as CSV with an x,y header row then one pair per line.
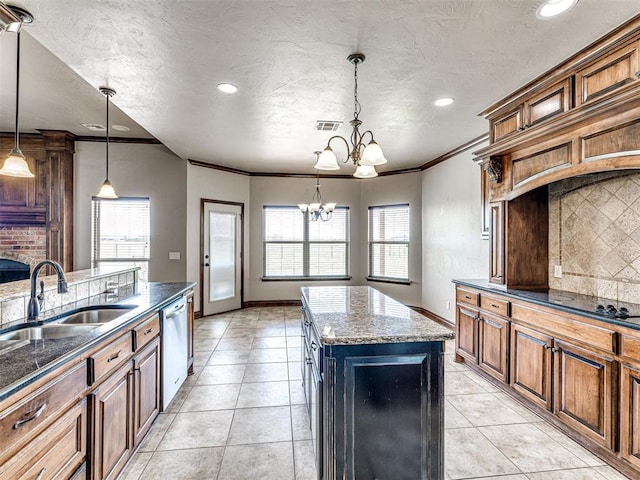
x,y
120,231
296,247
389,242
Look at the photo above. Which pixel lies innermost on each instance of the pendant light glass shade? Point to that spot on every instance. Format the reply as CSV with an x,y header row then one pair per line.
x,y
15,165
327,160
372,155
365,171
107,190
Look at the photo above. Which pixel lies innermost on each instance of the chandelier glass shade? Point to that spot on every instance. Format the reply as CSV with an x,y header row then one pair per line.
x,y
316,209
15,165
107,190
365,156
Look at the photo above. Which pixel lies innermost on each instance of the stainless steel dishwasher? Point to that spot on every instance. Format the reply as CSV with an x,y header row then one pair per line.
x,y
174,349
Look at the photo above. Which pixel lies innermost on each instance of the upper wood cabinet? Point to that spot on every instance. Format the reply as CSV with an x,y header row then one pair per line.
x,y
537,108
608,74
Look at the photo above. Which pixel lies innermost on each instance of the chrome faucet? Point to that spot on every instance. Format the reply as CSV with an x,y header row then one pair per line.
x,y
34,308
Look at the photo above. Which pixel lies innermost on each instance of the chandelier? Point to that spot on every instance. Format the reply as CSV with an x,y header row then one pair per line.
x,y
365,158
317,209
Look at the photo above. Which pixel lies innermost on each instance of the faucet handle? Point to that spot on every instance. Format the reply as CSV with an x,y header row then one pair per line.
x,y
41,295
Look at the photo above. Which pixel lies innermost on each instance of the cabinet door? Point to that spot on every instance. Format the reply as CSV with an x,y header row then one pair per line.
x,y
147,388
496,246
531,364
467,333
493,346
506,124
609,74
583,391
112,416
630,415
548,103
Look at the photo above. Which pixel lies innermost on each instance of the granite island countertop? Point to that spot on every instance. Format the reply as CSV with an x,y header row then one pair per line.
x,y
562,300
363,315
31,359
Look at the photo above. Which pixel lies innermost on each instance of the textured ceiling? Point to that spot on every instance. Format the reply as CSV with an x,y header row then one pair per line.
x,y
288,58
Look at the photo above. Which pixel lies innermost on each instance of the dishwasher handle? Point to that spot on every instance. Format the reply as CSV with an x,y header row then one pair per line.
x,y
175,313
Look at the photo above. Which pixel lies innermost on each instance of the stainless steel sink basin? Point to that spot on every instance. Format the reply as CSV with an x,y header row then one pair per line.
x,y
45,332
95,315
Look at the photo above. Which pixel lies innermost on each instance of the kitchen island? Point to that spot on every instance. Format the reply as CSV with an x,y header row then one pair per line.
x,y
373,379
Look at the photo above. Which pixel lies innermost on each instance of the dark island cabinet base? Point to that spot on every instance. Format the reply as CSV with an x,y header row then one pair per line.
x,y
383,412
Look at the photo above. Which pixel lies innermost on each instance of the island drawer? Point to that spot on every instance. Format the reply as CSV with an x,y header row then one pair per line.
x,y
57,452
468,297
110,357
33,411
631,348
145,332
495,305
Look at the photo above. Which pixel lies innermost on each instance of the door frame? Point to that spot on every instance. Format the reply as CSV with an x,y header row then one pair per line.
x,y
204,201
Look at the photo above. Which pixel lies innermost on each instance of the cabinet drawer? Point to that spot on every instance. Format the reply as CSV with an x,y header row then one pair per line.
x,y
592,335
494,305
109,358
145,332
19,420
506,124
631,348
54,454
467,297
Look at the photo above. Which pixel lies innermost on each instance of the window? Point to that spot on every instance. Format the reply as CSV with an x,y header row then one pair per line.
x,y
295,247
120,231
389,243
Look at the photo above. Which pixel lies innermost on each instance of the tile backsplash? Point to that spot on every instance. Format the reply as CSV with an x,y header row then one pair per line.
x,y
594,235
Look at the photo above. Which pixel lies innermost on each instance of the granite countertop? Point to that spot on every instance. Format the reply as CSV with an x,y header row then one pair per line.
x,y
565,301
28,360
362,315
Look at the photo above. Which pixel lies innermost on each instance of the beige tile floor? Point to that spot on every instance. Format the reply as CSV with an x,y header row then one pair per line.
x,y
241,416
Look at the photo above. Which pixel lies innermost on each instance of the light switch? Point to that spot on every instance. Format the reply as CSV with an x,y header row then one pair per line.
x,y
557,271
174,255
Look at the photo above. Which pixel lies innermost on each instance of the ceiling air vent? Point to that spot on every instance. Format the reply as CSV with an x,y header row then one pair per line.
x,y
327,125
96,127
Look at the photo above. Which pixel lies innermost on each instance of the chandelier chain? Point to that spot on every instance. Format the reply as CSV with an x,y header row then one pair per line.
x,y
357,107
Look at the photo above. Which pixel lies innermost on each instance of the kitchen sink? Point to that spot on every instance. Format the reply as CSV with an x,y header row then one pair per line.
x,y
95,315
45,332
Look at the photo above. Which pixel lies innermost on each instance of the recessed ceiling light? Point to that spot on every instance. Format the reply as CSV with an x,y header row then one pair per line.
x,y
551,8
443,102
120,128
95,127
227,88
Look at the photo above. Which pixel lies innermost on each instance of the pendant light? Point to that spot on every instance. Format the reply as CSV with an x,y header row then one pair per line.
x,y
107,190
15,165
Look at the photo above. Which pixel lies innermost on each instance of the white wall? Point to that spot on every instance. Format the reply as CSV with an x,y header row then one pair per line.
x,y
291,191
389,190
213,184
451,227
135,170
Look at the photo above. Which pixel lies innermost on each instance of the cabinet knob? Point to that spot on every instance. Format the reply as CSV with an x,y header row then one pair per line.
x,y
555,350
547,347
637,74
314,346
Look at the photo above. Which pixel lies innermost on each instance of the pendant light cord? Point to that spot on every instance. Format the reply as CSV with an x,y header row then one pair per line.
x,y
107,129
17,148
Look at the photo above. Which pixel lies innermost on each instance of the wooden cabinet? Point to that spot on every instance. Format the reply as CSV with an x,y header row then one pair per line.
x,y
609,74
535,109
496,245
630,414
467,333
146,367
493,346
585,391
112,414
127,401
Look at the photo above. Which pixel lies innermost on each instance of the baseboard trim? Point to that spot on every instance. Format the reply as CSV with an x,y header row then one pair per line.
x,y
270,303
434,316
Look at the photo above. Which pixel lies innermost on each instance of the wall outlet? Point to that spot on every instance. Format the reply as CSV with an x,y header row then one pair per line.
x,y
174,255
557,271
448,305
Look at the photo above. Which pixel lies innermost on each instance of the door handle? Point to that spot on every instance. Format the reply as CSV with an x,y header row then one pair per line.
x,y
206,264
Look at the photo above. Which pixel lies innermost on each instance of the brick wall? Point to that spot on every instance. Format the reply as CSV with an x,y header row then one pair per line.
x,y
23,244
